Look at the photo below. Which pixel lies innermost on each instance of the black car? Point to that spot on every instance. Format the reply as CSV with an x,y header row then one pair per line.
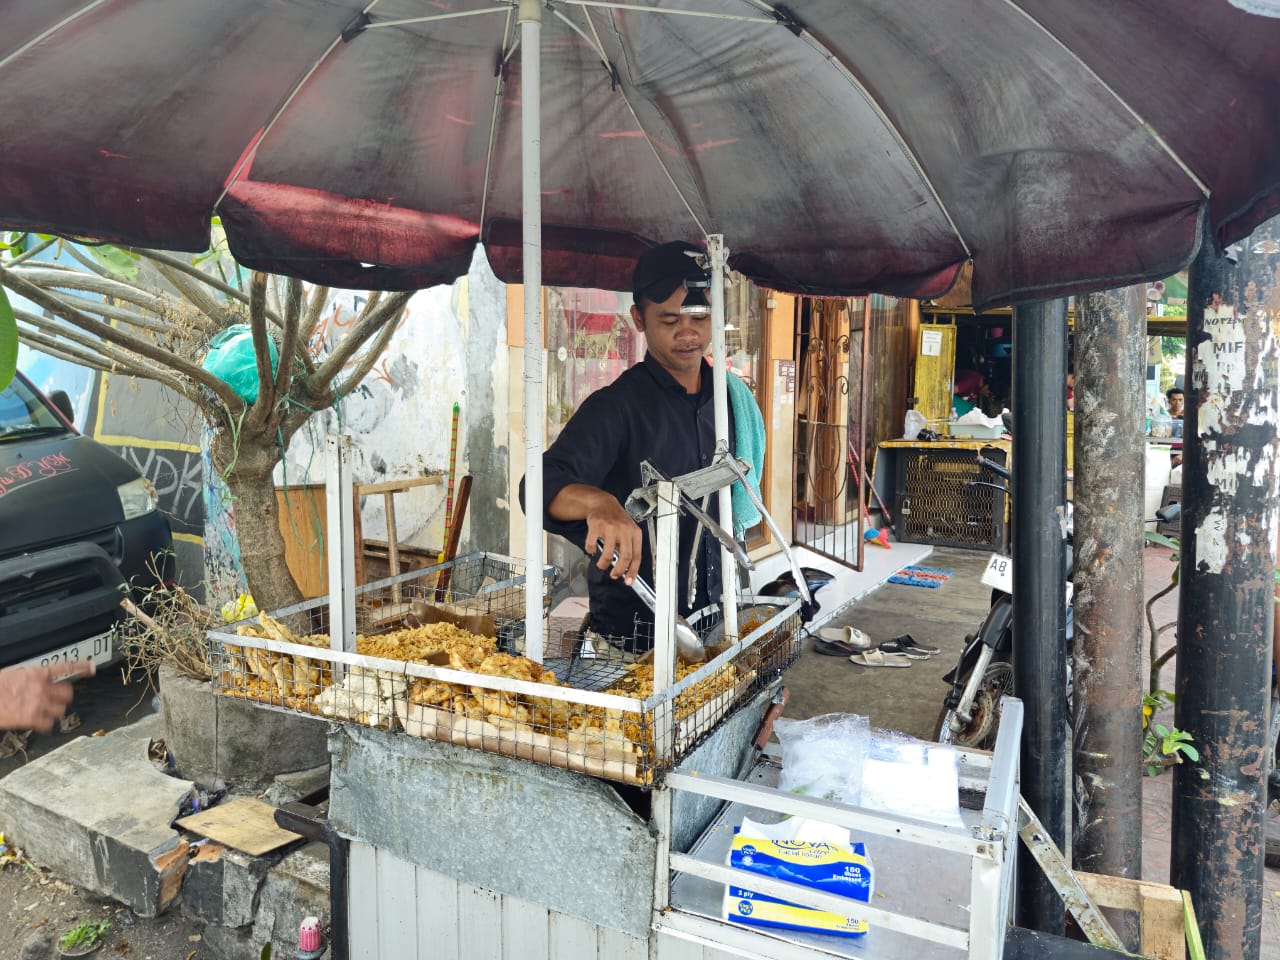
x,y
79,530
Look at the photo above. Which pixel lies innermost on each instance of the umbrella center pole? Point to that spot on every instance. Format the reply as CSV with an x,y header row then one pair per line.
x,y
718,256
535,401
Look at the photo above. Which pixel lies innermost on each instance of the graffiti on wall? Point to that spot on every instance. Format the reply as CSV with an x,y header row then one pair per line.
x,y
178,476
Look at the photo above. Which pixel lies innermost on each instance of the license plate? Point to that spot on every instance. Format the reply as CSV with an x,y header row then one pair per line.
x,y
999,573
100,649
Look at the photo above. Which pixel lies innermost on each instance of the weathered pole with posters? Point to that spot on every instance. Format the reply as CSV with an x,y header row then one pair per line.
x,y
1229,525
1110,357
1039,577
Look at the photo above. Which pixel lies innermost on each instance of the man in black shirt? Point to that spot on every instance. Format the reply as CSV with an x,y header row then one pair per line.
x,y
659,410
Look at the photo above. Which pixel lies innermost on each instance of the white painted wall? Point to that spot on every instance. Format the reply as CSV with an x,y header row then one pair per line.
x,y
400,414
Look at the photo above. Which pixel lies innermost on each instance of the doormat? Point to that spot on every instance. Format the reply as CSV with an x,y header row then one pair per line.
x,y
921,577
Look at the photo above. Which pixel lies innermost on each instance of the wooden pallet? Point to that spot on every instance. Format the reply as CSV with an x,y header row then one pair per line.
x,y
1161,911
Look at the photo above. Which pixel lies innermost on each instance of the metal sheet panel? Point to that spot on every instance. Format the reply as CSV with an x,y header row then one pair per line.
x,y
543,834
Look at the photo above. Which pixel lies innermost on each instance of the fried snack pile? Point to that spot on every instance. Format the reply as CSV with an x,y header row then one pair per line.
x,y
369,696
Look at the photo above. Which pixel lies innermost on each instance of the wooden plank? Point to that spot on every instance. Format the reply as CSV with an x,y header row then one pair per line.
x,y
362,901
245,823
397,913
479,923
1159,908
526,930
438,914
571,938
397,486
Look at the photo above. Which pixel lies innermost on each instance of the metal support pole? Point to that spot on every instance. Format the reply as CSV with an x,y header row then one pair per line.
x,y
535,400
1039,615
1229,526
1110,351
339,492
719,257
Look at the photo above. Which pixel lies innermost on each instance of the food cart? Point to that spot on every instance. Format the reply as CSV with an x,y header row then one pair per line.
x,y
582,807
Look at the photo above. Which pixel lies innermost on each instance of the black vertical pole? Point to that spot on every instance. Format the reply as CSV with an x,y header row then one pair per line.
x,y
1039,616
1229,526
1110,357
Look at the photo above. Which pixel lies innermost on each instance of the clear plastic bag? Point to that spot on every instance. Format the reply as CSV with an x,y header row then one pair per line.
x,y
913,424
824,756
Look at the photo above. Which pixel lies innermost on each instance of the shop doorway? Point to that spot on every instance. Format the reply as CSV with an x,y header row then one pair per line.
x,y
830,433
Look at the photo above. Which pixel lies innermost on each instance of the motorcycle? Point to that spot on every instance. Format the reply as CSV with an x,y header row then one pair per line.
x,y
984,672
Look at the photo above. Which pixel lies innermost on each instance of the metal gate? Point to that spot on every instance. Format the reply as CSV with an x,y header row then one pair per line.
x,y
830,482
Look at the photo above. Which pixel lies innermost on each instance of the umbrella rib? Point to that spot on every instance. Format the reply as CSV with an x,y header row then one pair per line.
x,y
69,18
670,11
493,118
788,20
647,139
499,8
1132,111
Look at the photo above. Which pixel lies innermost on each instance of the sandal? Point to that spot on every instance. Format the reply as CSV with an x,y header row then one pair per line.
x,y
908,643
874,658
897,648
851,637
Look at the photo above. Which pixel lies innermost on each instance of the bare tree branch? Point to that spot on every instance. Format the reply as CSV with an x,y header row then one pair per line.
x,y
50,302
47,275
222,315
261,347
113,357
371,356
73,354
221,286
366,327
109,311
26,255
289,343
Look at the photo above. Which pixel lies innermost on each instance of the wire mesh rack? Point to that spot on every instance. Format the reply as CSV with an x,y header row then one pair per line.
x,y
451,669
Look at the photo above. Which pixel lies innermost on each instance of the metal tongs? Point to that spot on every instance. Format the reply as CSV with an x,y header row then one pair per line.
x,y
688,646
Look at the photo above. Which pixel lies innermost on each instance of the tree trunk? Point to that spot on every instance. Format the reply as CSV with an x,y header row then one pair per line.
x,y
257,518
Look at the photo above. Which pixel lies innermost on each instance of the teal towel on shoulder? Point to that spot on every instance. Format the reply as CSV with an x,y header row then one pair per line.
x,y
748,425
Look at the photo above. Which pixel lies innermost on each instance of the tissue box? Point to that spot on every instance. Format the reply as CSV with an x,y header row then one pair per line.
x,y
800,851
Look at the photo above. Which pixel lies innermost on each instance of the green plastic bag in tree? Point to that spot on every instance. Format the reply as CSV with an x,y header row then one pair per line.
x,y
231,359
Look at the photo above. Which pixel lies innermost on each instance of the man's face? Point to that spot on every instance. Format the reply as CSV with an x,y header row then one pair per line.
x,y
676,340
1175,404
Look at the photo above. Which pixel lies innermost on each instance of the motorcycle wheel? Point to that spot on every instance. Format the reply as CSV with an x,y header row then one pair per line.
x,y
979,733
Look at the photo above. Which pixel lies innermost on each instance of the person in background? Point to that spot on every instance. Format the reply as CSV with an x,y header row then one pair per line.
x,y
1071,390
968,390
1174,402
35,698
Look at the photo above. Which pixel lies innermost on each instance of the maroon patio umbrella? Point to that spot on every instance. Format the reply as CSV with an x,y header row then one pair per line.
x,y
839,147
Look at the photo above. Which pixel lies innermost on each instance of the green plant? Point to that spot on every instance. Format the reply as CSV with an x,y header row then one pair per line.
x,y
1163,746
84,934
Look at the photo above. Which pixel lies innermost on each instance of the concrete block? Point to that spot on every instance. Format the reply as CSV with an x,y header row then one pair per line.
x,y
289,787
233,740
297,887
222,885
97,812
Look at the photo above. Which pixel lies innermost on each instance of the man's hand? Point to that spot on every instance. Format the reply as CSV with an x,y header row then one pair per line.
x,y
35,698
613,527
607,523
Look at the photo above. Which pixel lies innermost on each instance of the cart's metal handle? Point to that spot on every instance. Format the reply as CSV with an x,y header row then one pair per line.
x,y
802,584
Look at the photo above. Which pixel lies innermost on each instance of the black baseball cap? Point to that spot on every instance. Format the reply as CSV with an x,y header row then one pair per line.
x,y
661,269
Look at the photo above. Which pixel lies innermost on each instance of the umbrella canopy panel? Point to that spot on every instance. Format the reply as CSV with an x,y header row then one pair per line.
x,y
839,147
